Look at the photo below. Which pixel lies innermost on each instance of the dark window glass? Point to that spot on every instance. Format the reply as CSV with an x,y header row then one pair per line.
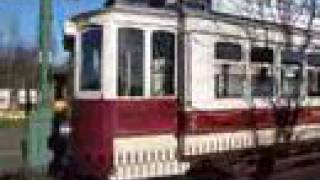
x,y
130,62
314,82
314,74
91,41
228,50
291,72
291,80
68,43
162,72
313,59
262,81
261,54
195,5
291,57
157,3
262,75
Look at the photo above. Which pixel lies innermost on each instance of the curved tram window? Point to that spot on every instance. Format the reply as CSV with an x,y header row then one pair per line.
x,y
130,62
163,49
91,41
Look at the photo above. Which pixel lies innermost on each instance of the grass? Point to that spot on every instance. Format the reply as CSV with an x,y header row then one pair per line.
x,y
12,119
12,123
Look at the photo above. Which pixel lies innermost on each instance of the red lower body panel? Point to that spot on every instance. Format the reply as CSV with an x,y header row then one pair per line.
x,y
92,136
232,120
96,122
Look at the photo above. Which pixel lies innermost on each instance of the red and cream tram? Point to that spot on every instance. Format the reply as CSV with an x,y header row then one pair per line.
x,y
125,115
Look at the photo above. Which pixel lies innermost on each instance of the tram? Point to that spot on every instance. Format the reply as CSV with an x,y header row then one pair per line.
x,y
127,113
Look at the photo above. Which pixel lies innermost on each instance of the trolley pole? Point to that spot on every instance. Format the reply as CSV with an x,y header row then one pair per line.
x,y
38,126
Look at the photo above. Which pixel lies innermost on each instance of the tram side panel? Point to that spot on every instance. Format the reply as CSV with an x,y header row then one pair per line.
x,y
145,117
92,135
97,123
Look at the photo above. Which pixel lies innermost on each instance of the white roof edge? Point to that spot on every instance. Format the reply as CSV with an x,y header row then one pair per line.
x,y
70,28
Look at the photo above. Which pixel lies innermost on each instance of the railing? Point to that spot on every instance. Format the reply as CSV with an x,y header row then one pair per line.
x,y
147,163
134,162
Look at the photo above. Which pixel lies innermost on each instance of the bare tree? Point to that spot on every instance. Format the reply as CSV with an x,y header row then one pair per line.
x,y
286,114
262,18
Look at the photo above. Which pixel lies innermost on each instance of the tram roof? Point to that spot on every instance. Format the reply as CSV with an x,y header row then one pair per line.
x,y
190,12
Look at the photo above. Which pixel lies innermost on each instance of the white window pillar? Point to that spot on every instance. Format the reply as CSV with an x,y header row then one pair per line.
x,y
109,61
188,68
147,62
103,62
212,56
305,79
277,70
246,55
77,62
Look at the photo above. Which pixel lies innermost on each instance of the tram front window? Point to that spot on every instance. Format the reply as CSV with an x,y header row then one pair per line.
x,y
91,40
314,74
163,50
229,70
130,62
262,74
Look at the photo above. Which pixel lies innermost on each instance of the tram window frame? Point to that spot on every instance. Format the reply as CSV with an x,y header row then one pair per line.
x,y
294,71
223,48
96,81
227,66
166,69
291,72
262,82
313,67
137,78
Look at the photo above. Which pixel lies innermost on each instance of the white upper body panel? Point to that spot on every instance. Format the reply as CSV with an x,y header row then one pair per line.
x,y
201,34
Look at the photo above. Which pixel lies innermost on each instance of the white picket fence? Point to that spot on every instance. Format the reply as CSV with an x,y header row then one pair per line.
x,y
156,156
147,164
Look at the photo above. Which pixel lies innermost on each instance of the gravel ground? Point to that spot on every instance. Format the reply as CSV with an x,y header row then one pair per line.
x,y
10,151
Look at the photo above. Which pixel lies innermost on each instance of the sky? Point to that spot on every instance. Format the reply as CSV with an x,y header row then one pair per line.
x,y
19,21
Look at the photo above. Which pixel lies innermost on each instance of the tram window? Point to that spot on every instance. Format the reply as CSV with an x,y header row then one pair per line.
x,y
163,49
91,40
291,57
314,75
261,81
261,55
229,80
262,75
228,50
290,72
290,80
229,77
314,82
314,59
130,62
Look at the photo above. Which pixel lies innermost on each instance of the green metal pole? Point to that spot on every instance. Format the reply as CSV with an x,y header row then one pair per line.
x,y
45,50
38,130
